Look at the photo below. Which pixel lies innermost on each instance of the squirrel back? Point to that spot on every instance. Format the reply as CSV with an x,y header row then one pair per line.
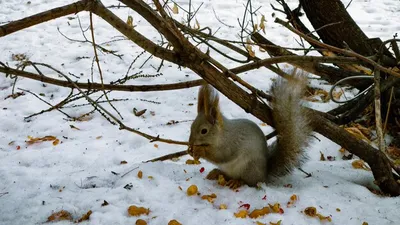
x,y
238,146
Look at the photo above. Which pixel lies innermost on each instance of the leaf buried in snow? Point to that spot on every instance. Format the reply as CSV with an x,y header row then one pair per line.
x,y
139,113
56,142
140,222
277,223
59,216
84,217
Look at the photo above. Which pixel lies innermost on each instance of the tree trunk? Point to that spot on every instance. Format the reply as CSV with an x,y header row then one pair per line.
x,y
342,31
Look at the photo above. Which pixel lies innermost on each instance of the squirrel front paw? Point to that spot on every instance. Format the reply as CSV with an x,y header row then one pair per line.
x,y
214,174
223,179
197,152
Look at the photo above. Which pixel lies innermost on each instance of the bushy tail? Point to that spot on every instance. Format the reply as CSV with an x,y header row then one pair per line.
x,y
291,124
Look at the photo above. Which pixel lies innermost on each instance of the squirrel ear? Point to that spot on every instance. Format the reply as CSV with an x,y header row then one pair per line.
x,y
208,103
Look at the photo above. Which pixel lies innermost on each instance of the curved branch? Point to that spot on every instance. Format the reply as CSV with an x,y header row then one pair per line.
x,y
39,18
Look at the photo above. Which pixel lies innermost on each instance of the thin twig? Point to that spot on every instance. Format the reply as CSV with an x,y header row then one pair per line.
x,y
169,156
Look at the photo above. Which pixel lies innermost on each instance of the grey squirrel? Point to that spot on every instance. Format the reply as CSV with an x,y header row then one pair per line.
x,y
238,146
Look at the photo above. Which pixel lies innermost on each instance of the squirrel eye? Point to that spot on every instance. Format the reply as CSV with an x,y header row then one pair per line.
x,y
203,131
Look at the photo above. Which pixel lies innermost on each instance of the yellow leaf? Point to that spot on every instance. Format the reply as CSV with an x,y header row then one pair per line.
x,y
140,174
175,9
241,214
192,190
223,206
277,223
174,222
359,164
129,21
56,142
197,27
259,212
137,211
262,23
210,198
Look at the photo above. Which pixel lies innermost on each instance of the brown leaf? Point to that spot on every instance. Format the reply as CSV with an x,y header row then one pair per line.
x,y
140,222
360,164
84,217
123,162
56,142
140,174
175,9
74,127
322,157
139,113
59,216
104,203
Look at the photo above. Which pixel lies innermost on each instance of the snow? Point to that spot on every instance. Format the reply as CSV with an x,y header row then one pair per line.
x,y
85,169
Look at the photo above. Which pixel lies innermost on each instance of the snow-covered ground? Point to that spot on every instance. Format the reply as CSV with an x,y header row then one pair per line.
x,y
85,169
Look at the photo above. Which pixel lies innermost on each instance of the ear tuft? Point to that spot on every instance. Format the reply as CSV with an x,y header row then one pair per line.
x,y
208,103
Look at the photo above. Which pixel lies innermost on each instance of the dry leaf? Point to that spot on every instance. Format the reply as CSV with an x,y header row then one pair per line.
x,y
197,27
56,142
59,216
210,198
193,162
364,223
277,223
174,222
259,212
104,203
322,157
221,180
357,133
175,9
259,223
139,113
129,22
241,214
140,174
293,199
123,162
74,127
262,23
312,211
360,164
249,48
275,208
32,140
99,137
192,190
84,217
223,206
393,152
140,222
137,211
337,210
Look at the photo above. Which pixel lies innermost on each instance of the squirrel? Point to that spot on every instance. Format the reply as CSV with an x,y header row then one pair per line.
x,y
239,148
